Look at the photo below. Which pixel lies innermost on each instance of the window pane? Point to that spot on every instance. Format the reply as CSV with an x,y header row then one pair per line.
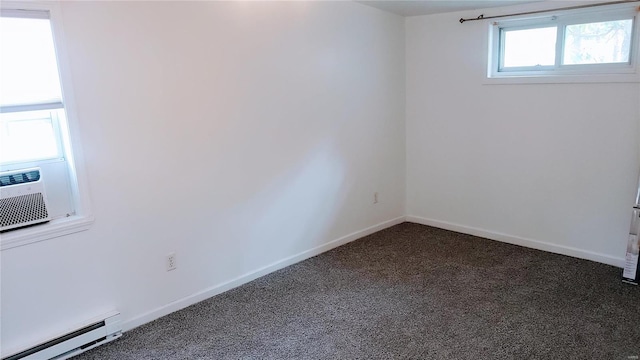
x,y
598,43
530,47
27,136
28,68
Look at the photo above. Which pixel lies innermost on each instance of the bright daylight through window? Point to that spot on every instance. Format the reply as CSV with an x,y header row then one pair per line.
x,y
566,43
36,167
29,75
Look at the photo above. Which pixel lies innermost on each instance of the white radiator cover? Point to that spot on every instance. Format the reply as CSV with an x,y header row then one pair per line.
x,y
88,335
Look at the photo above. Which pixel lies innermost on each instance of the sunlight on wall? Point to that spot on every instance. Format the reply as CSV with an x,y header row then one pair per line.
x,y
301,206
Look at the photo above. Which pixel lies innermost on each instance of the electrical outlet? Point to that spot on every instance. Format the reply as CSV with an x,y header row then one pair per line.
x,y
171,262
375,197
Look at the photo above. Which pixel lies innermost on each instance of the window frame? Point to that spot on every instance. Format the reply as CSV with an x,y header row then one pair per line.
x,y
69,133
59,139
559,72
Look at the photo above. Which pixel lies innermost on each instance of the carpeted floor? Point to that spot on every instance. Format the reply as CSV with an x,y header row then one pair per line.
x,y
408,292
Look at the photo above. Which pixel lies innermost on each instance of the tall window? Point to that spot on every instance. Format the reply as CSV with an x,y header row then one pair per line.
x,y
567,43
34,131
30,93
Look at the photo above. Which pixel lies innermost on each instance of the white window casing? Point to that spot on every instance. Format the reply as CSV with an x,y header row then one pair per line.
x,y
559,72
64,174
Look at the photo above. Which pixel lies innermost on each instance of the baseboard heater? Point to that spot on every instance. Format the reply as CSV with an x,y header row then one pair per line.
x,y
75,342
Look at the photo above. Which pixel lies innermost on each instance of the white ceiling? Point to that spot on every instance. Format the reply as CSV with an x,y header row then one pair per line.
x,y
425,7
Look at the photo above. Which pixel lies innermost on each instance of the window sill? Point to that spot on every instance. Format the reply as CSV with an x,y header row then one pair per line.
x,y
563,79
50,230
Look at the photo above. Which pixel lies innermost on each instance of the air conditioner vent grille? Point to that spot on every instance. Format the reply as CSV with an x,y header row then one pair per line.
x,y
20,178
22,209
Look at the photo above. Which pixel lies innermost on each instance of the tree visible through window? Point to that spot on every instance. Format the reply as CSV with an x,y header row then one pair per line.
x,y
598,43
567,43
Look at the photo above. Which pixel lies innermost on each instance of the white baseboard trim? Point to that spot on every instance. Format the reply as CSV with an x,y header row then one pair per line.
x,y
516,240
220,288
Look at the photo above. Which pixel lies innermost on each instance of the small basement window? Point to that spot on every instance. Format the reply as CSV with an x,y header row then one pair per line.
x,y
35,131
584,42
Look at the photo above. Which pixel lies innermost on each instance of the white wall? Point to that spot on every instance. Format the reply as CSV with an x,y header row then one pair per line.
x,y
234,134
551,166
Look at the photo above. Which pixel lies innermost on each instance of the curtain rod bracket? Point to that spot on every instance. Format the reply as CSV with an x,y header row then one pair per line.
x,y
480,17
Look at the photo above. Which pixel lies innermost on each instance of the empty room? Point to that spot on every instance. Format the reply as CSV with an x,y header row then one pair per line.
x,y
319,179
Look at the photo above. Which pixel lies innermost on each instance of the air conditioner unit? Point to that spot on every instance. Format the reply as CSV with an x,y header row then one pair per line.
x,y
23,200
101,330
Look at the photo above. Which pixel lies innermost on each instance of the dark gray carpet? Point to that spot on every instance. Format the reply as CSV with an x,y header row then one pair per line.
x,y
408,292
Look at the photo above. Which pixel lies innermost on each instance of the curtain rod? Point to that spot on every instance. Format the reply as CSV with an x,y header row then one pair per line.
x,y
482,17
